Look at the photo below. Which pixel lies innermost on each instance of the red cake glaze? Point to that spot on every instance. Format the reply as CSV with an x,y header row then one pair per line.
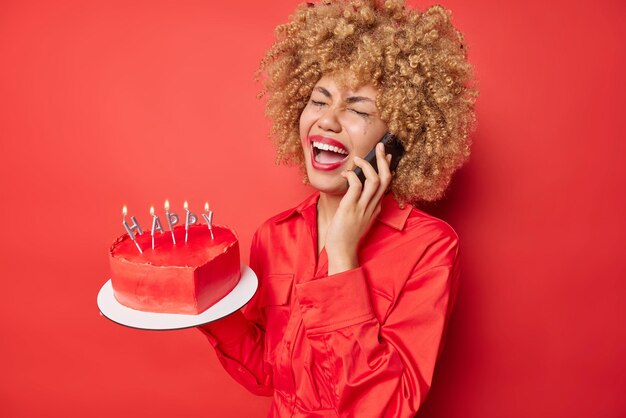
x,y
186,278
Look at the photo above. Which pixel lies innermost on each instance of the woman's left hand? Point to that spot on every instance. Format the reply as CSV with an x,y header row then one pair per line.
x,y
356,212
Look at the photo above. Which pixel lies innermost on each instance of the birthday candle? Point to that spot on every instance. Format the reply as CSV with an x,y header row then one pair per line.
x,y
208,217
172,219
130,229
190,219
156,224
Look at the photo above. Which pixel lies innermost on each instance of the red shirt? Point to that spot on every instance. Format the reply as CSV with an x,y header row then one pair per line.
x,y
361,343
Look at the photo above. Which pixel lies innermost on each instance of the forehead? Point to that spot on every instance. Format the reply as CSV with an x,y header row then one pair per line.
x,y
346,84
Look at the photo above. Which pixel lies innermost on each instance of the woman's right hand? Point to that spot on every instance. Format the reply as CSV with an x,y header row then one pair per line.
x,y
356,212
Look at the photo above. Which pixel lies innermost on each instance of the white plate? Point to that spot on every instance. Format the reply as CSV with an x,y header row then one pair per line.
x,y
123,315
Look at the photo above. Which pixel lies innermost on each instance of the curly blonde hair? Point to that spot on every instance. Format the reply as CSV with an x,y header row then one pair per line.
x,y
416,60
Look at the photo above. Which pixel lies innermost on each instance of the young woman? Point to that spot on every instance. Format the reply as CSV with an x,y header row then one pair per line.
x,y
355,284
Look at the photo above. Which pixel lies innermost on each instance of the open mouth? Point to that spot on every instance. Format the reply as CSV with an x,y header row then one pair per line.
x,y
326,153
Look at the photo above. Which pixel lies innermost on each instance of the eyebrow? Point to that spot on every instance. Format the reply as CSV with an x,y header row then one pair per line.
x,y
351,99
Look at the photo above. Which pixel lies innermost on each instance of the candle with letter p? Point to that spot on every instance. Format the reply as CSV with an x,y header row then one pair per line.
x,y
190,219
172,219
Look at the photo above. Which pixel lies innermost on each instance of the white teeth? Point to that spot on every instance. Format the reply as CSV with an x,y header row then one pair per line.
x,y
327,147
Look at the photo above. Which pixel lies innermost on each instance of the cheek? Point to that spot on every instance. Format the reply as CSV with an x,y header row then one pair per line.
x,y
364,137
306,120
363,148
304,133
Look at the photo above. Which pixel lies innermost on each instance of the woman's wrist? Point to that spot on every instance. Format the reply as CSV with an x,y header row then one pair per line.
x,y
340,263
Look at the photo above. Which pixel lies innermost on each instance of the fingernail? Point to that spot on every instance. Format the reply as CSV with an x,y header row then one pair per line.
x,y
380,146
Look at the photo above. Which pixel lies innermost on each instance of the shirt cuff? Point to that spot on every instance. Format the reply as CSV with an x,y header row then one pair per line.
x,y
334,302
226,331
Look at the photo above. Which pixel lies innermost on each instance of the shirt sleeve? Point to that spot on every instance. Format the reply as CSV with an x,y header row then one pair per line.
x,y
239,340
379,369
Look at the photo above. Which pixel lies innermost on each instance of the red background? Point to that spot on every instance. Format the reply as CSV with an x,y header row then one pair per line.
x,y
111,103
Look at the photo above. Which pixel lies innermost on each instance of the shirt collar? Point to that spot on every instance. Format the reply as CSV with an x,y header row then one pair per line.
x,y
390,214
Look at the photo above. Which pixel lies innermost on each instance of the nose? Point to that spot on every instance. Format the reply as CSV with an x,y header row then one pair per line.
x,y
328,121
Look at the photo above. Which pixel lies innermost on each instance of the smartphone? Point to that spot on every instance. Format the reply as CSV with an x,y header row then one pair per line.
x,y
393,146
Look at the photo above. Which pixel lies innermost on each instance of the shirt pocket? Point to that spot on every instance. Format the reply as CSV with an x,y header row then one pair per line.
x,y
274,299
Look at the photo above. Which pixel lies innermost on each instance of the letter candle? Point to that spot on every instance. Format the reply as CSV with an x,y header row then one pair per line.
x,y
130,229
190,219
172,219
208,217
156,224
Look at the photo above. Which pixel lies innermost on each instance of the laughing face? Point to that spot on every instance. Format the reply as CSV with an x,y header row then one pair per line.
x,y
337,124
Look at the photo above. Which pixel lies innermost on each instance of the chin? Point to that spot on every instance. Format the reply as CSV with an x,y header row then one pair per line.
x,y
332,184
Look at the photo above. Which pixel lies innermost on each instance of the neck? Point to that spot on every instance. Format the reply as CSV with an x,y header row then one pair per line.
x,y
326,207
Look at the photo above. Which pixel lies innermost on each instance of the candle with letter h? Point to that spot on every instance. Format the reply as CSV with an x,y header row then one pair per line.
x,y
135,227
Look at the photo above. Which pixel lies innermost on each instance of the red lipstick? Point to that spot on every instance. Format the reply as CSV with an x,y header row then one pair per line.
x,y
329,141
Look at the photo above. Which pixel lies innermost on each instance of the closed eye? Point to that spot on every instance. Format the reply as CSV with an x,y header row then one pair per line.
x,y
360,113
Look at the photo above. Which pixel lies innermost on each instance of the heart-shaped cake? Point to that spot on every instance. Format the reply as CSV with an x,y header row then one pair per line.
x,y
183,278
